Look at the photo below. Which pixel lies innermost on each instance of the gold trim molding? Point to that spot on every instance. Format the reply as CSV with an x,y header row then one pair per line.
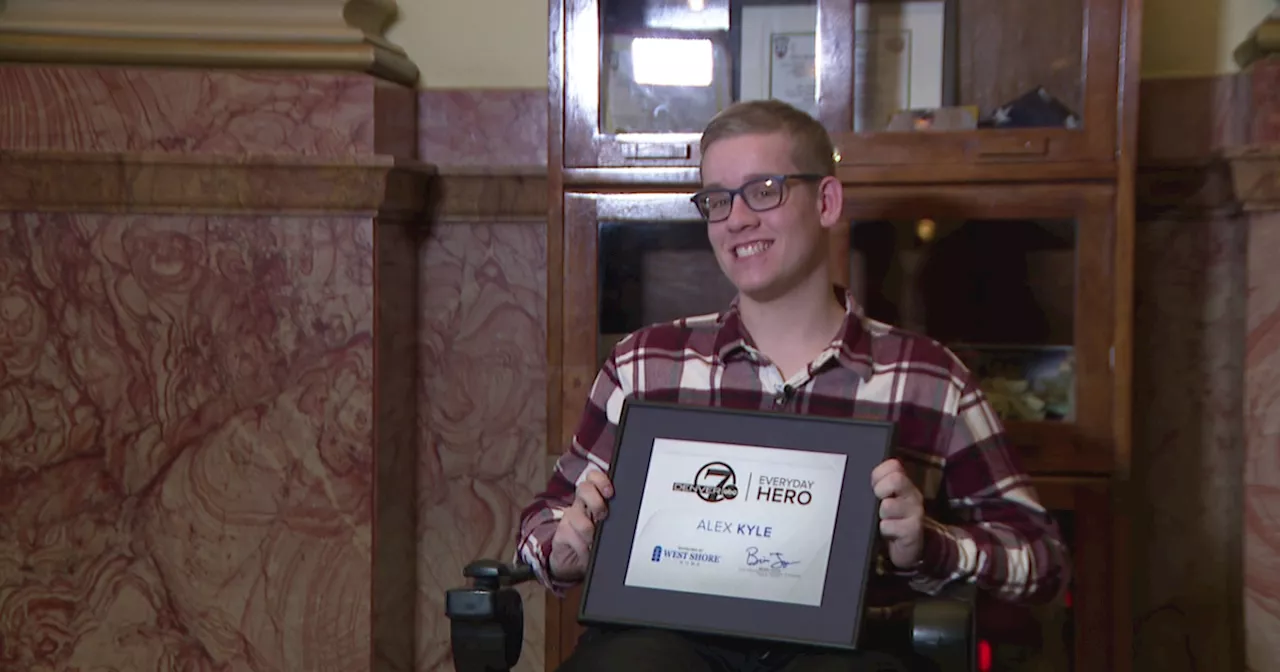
x,y
281,34
159,183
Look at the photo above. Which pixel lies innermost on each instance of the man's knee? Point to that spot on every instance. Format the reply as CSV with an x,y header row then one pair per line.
x,y
634,650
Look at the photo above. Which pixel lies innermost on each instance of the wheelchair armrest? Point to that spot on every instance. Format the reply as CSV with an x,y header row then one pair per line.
x,y
487,617
940,631
944,632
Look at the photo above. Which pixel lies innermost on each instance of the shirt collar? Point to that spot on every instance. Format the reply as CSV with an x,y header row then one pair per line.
x,y
851,346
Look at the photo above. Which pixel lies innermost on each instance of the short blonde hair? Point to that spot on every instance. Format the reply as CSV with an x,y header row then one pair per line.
x,y
812,149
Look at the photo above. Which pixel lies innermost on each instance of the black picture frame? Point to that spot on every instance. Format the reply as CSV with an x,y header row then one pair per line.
x,y
835,622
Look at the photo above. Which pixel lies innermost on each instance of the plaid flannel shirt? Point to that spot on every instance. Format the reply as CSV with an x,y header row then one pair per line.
x,y
983,523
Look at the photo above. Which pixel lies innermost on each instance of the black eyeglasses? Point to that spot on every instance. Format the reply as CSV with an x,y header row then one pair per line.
x,y
760,194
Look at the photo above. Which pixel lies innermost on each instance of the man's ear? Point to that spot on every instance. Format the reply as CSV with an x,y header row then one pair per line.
x,y
830,201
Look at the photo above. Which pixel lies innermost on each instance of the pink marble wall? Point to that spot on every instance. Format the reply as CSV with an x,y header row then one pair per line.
x,y
483,415
208,437
484,128
1262,440
93,109
482,419
1188,368
482,422
187,445
1189,309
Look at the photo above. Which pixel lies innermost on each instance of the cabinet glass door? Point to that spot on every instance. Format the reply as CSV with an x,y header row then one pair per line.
x,y
643,77
973,82
1004,286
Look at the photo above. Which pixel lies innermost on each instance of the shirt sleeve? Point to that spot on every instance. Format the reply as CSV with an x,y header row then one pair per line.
x,y
591,448
998,535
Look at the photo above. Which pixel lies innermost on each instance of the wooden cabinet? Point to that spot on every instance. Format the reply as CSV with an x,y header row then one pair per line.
x,y
1039,79
1011,240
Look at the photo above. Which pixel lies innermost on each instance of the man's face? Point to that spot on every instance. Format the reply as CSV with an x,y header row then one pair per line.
x,y
765,254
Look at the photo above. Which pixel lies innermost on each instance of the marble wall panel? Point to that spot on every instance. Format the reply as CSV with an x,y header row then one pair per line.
x,y
108,109
186,453
1188,368
1262,441
483,128
482,414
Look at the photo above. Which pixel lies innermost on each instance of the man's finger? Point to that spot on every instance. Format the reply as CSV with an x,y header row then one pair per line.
x,y
581,526
885,468
593,501
893,509
600,480
891,484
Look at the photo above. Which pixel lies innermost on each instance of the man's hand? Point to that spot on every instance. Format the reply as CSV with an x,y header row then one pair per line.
x,y
901,513
571,545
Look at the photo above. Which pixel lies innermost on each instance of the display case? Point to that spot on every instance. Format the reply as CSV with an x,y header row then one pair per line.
x,y
1041,252
911,90
987,152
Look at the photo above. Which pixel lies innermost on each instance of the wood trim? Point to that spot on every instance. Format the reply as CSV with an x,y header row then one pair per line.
x,y
1092,554
1119,607
658,177
556,649
162,183
579,338
979,201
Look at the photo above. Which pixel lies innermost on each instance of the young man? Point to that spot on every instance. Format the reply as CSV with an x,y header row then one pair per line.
x,y
792,341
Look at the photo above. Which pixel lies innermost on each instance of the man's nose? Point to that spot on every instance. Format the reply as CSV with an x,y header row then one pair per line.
x,y
740,216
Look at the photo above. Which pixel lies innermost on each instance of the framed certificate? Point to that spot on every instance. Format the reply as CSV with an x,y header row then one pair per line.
x,y
750,524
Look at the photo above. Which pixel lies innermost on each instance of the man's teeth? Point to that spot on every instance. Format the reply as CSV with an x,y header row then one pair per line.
x,y
752,249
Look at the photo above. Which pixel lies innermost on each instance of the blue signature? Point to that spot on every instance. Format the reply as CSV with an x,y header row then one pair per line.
x,y
774,560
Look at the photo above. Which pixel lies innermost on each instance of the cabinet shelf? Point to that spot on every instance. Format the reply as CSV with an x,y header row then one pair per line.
x,y
961,174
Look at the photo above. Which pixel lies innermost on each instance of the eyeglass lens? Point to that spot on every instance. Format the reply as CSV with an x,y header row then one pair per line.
x,y
761,194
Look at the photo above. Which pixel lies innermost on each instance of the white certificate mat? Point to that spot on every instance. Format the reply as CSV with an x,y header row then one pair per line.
x,y
736,521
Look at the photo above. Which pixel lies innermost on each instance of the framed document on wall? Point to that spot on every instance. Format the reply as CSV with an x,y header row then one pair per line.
x,y
753,524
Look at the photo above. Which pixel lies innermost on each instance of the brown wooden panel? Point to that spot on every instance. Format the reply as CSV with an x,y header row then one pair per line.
x,y
1095,278
1094,600
1008,48
979,201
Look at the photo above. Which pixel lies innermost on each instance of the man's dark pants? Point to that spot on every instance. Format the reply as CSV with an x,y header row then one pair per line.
x,y
644,650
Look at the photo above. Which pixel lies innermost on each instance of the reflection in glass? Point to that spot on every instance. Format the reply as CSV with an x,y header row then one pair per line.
x,y
668,66
654,272
951,65
1000,294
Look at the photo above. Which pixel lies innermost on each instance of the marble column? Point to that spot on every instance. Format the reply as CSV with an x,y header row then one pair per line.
x,y
208,336
1256,172
1256,177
